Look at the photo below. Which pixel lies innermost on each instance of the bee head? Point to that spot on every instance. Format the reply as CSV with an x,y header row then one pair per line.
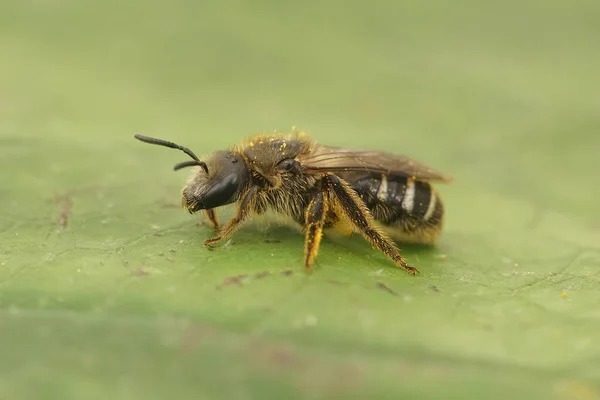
x,y
219,184
216,183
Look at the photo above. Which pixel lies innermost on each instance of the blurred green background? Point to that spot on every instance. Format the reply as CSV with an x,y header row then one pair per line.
x,y
107,292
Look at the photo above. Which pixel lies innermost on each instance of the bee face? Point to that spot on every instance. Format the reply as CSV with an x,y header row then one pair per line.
x,y
217,185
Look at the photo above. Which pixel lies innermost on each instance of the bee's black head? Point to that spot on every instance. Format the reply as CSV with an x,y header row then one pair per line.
x,y
217,183
221,185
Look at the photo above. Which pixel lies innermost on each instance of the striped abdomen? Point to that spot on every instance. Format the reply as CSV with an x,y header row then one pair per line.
x,y
410,210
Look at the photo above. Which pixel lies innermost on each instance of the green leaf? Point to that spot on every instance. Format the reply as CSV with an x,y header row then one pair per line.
x,y
107,292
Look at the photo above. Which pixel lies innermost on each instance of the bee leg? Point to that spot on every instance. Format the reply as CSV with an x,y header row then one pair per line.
x,y
362,220
315,219
232,225
211,214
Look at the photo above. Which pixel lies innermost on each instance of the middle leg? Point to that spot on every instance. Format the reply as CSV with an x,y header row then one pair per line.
x,y
315,219
212,217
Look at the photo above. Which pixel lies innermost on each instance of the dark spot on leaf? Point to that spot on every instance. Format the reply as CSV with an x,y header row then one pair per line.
x,y
142,271
434,288
276,355
287,272
335,282
282,355
157,233
233,280
260,275
272,241
65,206
383,286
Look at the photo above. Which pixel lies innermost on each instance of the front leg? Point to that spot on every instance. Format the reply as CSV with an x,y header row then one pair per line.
x,y
244,210
211,214
361,218
315,219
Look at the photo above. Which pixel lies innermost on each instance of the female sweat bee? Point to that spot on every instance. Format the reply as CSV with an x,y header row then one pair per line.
x,y
376,194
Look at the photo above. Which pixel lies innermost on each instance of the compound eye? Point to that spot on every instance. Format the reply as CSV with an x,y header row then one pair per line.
x,y
288,165
222,192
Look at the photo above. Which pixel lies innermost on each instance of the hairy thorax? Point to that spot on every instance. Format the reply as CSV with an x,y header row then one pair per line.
x,y
286,192
291,198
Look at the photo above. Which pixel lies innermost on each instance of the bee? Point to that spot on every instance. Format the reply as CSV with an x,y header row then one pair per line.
x,y
376,194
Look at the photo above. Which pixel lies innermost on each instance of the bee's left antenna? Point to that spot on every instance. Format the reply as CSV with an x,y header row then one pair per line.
x,y
161,142
172,145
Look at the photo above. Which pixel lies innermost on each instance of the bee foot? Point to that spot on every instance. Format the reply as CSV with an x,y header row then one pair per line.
x,y
411,270
211,243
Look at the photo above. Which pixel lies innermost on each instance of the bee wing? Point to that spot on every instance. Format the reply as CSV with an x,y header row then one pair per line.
x,y
337,159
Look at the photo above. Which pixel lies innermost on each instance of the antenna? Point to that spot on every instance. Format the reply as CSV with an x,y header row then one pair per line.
x,y
161,142
172,145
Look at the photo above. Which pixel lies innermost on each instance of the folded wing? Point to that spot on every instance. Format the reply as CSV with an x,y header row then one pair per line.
x,y
337,159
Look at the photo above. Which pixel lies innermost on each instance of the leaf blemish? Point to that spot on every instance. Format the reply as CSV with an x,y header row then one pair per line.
x,y
383,286
260,275
233,280
282,355
65,207
142,271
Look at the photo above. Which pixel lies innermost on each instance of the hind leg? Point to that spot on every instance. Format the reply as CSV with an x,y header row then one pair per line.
x,y
356,211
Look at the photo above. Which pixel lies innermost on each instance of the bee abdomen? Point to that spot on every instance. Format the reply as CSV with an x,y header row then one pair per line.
x,y
411,209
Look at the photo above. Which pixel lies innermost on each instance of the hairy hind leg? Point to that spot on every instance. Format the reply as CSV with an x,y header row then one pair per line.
x,y
361,218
